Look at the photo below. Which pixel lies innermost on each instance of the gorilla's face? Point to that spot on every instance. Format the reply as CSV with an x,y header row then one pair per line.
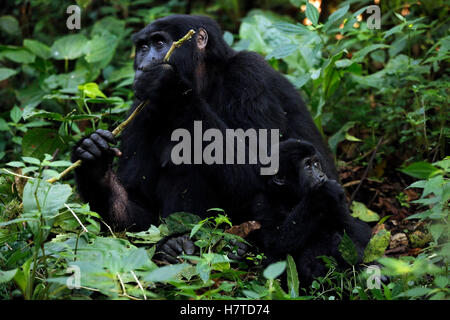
x,y
151,48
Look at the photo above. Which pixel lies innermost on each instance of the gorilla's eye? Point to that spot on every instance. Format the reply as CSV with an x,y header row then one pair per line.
x,y
316,164
159,44
144,47
308,164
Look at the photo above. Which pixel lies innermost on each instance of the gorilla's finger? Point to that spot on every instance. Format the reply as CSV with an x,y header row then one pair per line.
x,y
84,155
241,252
116,152
107,135
99,141
241,245
233,256
90,146
168,250
188,246
169,259
173,244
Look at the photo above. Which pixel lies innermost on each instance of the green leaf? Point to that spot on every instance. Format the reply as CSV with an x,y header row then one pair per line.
x,y
292,28
19,55
16,164
377,245
282,51
5,73
3,125
91,90
165,273
181,222
359,55
10,25
39,141
69,47
42,199
38,48
420,170
335,16
360,211
204,270
274,270
100,50
31,160
312,13
6,276
339,136
15,114
292,277
415,292
348,250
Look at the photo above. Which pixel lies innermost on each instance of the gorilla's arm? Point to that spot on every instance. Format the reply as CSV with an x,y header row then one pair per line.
x,y
284,231
99,185
331,200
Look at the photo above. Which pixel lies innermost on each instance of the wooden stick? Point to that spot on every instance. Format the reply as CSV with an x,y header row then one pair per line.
x,y
115,132
123,125
177,44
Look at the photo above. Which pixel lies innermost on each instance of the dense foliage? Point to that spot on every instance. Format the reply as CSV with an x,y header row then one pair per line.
x,y
379,96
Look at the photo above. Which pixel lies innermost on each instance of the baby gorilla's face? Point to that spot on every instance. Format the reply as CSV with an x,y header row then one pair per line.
x,y
311,174
300,169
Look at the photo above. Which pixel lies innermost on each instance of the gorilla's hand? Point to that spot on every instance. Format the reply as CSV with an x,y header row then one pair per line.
x,y
158,83
95,152
169,249
330,198
239,250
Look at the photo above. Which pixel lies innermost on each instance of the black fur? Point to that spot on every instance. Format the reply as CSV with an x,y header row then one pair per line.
x,y
304,221
222,88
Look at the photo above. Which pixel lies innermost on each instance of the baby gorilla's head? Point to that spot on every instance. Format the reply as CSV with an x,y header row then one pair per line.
x,y
300,170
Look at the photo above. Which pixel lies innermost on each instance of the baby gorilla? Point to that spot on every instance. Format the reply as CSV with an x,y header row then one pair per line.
x,y
304,214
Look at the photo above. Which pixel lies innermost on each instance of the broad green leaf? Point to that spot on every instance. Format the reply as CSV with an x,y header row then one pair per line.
x,y
360,211
274,270
5,73
312,13
292,277
282,51
10,25
166,273
19,55
38,48
6,276
38,141
348,250
292,28
69,47
415,292
100,50
420,170
377,245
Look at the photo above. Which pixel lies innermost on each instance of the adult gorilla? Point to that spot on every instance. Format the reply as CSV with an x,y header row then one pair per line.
x,y
204,80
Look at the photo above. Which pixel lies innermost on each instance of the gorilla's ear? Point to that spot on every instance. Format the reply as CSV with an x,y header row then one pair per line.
x,y
202,39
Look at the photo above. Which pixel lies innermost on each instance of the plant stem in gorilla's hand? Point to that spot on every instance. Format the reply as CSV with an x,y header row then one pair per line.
x,y
123,125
